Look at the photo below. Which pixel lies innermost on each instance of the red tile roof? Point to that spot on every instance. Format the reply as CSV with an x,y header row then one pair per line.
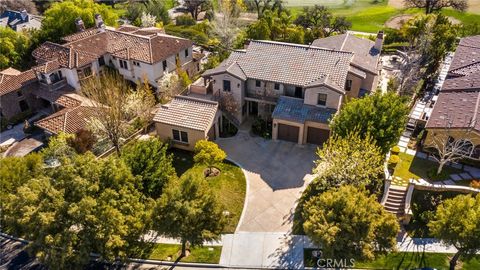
x,y
9,83
69,120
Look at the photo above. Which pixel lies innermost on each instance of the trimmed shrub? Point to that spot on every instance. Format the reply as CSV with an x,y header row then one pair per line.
x,y
395,150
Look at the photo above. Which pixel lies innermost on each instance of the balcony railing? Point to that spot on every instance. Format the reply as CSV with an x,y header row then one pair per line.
x,y
54,86
262,95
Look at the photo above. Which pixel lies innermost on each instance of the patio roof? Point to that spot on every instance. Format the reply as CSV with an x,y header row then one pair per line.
x,y
293,109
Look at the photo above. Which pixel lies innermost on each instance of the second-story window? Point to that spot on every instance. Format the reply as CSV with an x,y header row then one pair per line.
x,y
258,83
186,53
276,86
322,99
164,63
227,86
348,85
123,64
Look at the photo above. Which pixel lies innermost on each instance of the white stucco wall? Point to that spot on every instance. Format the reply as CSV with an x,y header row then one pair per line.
x,y
334,98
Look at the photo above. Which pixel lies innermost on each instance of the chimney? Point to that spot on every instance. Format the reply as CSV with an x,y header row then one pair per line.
x,y
379,41
99,21
79,24
24,15
246,43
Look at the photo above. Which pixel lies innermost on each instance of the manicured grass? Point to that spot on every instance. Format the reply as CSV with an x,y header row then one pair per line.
x,y
404,260
229,186
415,167
171,252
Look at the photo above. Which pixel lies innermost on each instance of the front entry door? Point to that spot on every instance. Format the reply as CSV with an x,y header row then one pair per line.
x,y
298,92
253,108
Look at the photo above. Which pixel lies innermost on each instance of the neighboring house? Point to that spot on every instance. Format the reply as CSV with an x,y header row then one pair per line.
x,y
136,53
20,20
457,108
186,120
301,87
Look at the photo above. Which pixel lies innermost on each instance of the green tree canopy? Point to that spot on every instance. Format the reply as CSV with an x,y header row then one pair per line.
x,y
86,205
188,210
208,153
457,222
155,8
321,22
149,160
383,116
350,160
13,48
60,18
16,171
346,223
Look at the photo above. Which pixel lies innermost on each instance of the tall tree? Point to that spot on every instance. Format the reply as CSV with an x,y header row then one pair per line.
x,y
149,160
382,116
457,223
197,6
321,21
188,210
347,223
350,160
225,26
262,6
13,48
431,6
84,206
117,105
60,18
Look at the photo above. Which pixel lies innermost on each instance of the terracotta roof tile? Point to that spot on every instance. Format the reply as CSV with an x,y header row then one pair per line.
x,y
69,120
188,112
9,83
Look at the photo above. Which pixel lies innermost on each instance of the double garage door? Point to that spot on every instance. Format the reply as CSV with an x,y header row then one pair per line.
x,y
291,133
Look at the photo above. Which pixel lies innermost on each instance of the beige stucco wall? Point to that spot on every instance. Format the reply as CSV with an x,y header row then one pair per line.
x,y
334,98
473,136
370,82
237,90
356,85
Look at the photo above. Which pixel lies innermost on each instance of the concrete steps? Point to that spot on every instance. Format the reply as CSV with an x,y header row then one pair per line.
x,y
395,202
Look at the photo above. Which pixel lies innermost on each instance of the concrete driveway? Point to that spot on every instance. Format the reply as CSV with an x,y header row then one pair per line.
x,y
277,173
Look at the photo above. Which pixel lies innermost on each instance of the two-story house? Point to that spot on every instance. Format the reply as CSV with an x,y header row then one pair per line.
x,y
136,53
52,85
456,112
300,87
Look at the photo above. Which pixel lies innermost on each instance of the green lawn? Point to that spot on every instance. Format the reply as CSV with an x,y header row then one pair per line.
x,y
415,167
170,252
229,186
404,260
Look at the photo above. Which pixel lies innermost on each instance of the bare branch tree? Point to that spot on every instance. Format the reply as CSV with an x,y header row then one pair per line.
x,y
225,25
117,105
449,148
227,103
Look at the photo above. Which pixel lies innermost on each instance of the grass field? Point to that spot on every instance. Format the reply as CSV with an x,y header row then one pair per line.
x,y
416,168
367,16
229,186
170,252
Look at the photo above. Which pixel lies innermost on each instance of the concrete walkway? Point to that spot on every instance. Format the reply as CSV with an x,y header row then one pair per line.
x,y
277,173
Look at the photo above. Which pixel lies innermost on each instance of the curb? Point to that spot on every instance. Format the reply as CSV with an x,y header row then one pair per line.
x,y
247,189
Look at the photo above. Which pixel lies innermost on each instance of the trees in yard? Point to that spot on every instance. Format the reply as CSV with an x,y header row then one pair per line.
x,y
208,153
154,8
347,223
448,148
430,37
382,116
83,141
431,6
84,206
149,160
321,22
117,105
276,26
194,7
350,160
227,103
188,210
59,20
456,222
225,26
262,6
13,48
